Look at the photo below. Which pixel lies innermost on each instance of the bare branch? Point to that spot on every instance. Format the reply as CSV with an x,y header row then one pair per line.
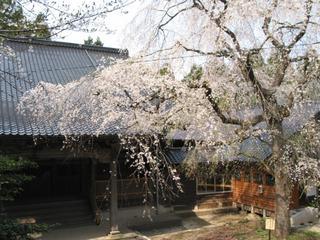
x,y
304,26
171,17
221,53
266,24
227,119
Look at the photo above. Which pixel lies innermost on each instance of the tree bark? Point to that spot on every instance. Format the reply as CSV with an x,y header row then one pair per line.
x,y
282,188
282,202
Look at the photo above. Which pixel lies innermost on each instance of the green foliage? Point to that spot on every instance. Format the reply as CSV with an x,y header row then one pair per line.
x,y
164,71
11,229
89,41
14,23
262,233
12,176
315,202
194,76
98,42
305,235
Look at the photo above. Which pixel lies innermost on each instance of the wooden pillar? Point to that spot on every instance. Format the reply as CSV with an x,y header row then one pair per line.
x,y
93,194
2,209
264,213
83,177
157,195
114,227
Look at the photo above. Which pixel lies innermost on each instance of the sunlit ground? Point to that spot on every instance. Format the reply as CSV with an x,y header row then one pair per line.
x,y
234,228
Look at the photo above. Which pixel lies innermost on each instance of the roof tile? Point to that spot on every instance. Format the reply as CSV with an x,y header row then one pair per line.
x,y
48,61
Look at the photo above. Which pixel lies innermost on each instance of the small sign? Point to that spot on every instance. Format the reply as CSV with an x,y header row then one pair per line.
x,y
270,224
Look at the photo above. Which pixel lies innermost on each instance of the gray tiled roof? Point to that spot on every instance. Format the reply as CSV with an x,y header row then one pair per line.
x,y
176,155
48,61
254,149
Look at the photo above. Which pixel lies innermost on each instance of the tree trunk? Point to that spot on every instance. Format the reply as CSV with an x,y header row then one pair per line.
x,y
282,187
282,202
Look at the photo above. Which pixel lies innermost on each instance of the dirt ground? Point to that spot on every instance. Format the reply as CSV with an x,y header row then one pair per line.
x,y
227,227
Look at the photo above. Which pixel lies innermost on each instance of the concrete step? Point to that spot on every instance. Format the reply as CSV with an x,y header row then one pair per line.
x,y
214,205
63,213
217,196
72,222
182,207
208,200
49,211
157,222
205,212
46,205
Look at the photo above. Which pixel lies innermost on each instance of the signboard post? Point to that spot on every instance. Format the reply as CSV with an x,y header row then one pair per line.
x,y
270,225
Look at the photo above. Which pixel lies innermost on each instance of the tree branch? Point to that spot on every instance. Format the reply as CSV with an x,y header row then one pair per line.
x,y
304,26
227,119
266,24
221,53
171,17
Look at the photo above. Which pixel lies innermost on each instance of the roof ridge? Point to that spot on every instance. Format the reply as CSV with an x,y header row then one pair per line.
x,y
68,45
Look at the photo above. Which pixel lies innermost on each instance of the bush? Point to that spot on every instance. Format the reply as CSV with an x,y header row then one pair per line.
x,y
12,177
12,229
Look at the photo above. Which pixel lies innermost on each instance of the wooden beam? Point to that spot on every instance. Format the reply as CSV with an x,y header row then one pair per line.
x,y
93,200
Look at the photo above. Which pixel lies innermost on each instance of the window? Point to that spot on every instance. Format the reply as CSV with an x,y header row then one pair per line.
x,y
227,183
216,184
247,176
270,180
258,178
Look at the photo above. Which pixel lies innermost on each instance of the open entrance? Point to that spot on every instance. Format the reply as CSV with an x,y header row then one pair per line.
x,y
56,181
58,194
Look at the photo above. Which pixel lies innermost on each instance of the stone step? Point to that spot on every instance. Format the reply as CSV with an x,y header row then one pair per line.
x,y
63,213
157,222
209,200
182,207
46,205
214,205
205,212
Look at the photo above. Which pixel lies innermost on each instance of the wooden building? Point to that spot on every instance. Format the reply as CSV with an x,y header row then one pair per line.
x,y
66,183
70,188
254,191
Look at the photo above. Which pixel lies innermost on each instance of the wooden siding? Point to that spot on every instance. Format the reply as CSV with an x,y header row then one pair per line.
x,y
260,196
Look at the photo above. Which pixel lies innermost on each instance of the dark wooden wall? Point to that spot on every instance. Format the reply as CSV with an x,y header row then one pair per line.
x,y
190,197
